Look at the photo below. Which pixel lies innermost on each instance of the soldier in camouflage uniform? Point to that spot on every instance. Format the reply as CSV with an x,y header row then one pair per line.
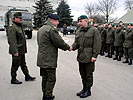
x,y
17,48
103,33
110,41
128,45
118,43
88,43
49,41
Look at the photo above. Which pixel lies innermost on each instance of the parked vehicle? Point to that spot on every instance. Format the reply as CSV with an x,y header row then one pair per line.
x,y
2,28
26,20
71,29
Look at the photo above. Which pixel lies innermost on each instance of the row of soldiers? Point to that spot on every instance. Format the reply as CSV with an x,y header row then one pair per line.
x,y
117,40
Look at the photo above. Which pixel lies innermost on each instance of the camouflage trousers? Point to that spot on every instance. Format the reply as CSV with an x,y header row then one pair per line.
x,y
86,72
119,51
16,62
110,49
48,81
128,53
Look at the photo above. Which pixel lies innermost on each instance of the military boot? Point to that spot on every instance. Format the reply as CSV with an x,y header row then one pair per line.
x,y
49,98
130,62
126,61
119,58
29,78
116,58
107,55
15,81
86,93
110,56
45,98
82,91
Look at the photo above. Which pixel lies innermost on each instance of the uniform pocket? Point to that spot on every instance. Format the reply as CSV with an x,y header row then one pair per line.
x,y
88,41
81,54
19,45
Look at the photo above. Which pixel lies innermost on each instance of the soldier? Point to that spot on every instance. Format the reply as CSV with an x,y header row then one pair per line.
x,y
121,24
17,48
49,41
110,41
103,33
64,30
118,43
88,43
95,25
128,45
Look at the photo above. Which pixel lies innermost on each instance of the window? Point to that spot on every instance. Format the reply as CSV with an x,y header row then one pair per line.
x,y
10,7
18,7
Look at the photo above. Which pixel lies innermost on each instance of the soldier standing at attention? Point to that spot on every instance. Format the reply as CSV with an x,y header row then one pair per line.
x,y
128,45
49,41
17,48
118,43
88,43
64,30
103,33
110,41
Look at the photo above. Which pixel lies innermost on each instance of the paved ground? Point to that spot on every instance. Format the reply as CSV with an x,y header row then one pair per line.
x,y
112,80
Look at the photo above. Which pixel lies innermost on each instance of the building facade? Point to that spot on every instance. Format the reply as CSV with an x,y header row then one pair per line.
x,y
6,5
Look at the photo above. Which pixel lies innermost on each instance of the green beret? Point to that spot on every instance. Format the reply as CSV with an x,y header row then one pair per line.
x,y
129,24
18,15
110,24
113,25
120,22
82,17
118,25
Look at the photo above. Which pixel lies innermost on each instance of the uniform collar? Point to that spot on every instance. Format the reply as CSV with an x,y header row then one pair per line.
x,y
18,24
85,28
49,23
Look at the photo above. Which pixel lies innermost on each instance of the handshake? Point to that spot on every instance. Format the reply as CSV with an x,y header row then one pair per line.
x,y
70,49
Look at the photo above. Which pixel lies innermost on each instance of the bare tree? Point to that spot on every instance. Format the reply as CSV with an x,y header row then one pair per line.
x,y
93,13
90,9
128,5
107,7
98,19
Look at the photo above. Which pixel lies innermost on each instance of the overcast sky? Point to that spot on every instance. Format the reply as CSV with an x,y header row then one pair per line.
x,y
78,7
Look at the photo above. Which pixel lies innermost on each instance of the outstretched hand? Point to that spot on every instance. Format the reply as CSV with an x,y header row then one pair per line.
x,y
93,59
16,54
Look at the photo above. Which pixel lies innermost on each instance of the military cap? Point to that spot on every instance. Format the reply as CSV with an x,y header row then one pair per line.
x,y
18,15
130,24
53,16
120,22
113,25
82,17
118,25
